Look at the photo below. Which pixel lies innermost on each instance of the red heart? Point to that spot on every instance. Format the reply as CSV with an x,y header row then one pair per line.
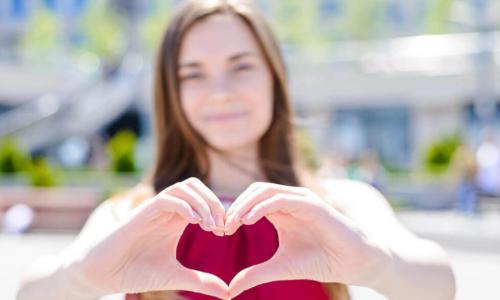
x,y
226,256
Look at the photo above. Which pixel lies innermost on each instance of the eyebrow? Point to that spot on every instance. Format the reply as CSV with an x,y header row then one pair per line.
x,y
233,57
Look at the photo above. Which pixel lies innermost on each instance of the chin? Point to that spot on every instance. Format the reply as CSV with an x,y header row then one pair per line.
x,y
230,144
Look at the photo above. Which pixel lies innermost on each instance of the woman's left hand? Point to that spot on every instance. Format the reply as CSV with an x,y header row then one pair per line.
x,y
316,242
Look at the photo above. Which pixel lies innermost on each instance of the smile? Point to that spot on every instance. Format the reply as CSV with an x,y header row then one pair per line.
x,y
225,117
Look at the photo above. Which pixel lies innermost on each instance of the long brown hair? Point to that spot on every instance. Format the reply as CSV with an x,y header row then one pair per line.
x,y
180,151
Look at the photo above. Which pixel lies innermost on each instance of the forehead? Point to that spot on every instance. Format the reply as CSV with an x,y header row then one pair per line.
x,y
218,36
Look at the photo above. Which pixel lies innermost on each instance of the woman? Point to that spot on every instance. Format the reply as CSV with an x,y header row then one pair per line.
x,y
227,211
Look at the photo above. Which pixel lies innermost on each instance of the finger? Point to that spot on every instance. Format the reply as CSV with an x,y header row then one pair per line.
x,y
233,220
170,203
252,187
255,275
279,203
201,282
183,191
216,207
154,210
258,195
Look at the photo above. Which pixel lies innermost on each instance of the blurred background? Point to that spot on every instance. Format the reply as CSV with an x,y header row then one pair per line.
x,y
404,95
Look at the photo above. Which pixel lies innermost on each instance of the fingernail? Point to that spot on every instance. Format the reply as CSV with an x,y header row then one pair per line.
x,y
196,216
231,218
211,223
227,224
220,224
231,229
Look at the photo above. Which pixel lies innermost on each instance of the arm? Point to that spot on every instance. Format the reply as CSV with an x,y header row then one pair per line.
x,y
418,268
49,277
134,252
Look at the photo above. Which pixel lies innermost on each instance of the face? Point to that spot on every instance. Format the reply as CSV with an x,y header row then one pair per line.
x,y
225,84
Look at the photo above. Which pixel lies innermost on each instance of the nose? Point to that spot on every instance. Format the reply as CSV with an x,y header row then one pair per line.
x,y
220,91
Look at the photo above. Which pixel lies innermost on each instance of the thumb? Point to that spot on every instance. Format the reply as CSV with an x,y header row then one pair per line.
x,y
201,282
250,277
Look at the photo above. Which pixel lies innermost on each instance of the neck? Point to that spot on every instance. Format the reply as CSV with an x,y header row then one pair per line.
x,y
231,172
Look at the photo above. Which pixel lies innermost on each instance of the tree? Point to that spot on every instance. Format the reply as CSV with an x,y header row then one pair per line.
x,y
102,28
155,24
42,34
297,21
363,18
438,14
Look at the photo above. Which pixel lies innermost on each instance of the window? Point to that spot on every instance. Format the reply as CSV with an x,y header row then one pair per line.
x,y
385,130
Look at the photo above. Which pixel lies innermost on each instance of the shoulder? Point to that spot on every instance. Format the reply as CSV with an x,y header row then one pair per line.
x,y
345,195
366,206
342,186
122,203
352,196
117,207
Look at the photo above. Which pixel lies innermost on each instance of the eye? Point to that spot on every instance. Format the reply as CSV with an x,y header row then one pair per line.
x,y
243,67
191,76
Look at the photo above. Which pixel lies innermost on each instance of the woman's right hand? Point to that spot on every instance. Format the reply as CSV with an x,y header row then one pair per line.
x,y
139,254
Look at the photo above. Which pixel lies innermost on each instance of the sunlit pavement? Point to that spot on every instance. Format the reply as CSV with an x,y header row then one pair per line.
x,y
473,245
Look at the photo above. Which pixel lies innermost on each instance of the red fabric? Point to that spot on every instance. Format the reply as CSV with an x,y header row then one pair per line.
x,y
226,256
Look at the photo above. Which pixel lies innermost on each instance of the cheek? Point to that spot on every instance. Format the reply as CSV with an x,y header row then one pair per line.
x,y
262,111
264,102
256,91
190,106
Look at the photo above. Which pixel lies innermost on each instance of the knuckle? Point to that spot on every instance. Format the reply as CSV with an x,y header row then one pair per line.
x,y
182,185
171,188
190,180
149,204
255,184
280,197
157,204
267,188
304,190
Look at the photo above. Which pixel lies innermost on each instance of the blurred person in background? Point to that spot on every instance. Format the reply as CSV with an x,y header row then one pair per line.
x,y
463,170
97,158
227,210
334,165
367,169
488,158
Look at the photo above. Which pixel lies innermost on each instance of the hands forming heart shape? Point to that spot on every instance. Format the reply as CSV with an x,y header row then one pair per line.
x,y
316,242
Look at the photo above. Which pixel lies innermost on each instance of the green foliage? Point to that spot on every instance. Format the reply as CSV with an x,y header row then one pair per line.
x,y
121,149
42,34
438,14
103,30
42,173
154,26
439,154
299,22
12,158
307,150
362,18
296,21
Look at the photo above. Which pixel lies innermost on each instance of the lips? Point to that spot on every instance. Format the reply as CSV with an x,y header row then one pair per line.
x,y
224,117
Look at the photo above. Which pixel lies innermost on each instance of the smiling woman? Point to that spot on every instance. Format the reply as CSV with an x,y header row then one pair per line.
x,y
230,101
227,210
225,83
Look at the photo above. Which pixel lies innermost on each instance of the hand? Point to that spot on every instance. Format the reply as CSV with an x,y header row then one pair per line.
x,y
139,255
316,242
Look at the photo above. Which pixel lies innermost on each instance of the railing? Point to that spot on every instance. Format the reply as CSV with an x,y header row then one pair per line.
x,y
82,110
